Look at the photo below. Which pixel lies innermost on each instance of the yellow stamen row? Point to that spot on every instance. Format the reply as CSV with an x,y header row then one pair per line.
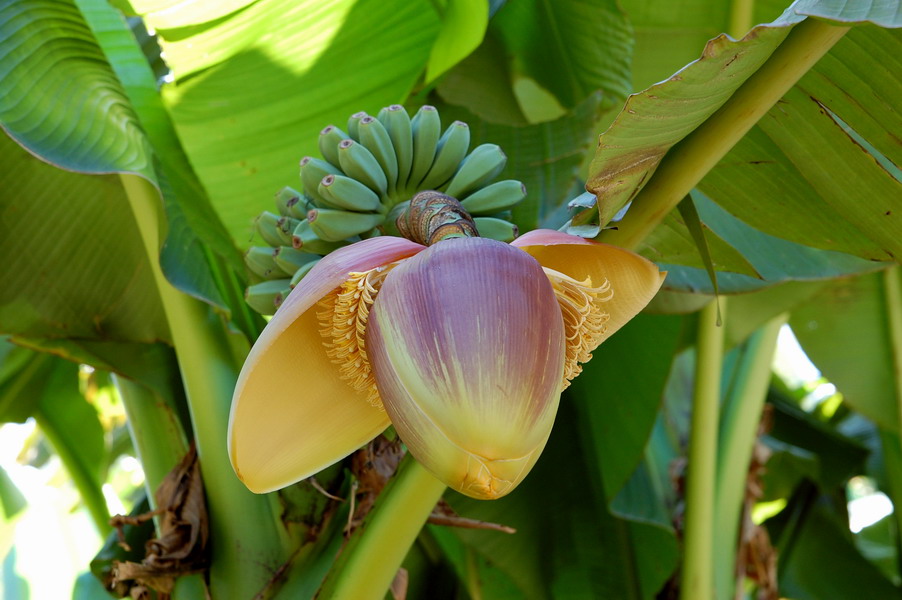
x,y
343,324
585,322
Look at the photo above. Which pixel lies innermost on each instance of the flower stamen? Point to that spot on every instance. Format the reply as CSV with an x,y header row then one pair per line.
x,y
585,322
343,325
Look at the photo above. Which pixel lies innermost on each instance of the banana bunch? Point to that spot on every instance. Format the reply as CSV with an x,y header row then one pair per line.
x,y
365,172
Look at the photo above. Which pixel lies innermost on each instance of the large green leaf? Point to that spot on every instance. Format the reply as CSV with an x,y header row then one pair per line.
x,y
824,198
838,197
70,107
463,26
481,84
74,265
171,14
654,120
618,400
568,543
265,80
194,234
775,260
566,48
671,243
61,100
844,329
545,157
820,539
838,457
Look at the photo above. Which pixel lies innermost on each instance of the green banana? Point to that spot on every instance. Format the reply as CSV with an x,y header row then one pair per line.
x,y
261,262
451,150
482,165
397,123
359,163
425,127
312,172
267,226
299,209
496,229
354,123
336,225
290,259
348,194
265,297
285,199
305,239
496,197
303,270
329,138
286,227
375,138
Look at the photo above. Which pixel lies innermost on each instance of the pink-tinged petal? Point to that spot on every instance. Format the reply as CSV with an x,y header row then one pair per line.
x,y
292,415
634,279
467,343
548,237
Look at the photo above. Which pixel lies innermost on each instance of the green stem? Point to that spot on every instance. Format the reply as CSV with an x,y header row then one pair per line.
x,y
160,442
691,159
892,293
246,546
86,482
697,576
742,12
738,431
155,430
367,565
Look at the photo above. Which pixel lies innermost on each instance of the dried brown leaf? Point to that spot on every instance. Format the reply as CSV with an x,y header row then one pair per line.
x,y
181,548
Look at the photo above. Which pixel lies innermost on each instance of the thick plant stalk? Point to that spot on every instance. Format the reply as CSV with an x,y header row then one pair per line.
x,y
741,15
691,159
697,577
738,430
155,430
371,559
246,545
892,293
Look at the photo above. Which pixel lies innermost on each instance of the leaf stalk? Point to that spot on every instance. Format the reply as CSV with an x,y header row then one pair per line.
x,y
369,562
697,576
246,545
684,166
738,430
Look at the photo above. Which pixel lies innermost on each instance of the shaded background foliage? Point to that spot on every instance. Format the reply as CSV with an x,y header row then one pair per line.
x,y
801,217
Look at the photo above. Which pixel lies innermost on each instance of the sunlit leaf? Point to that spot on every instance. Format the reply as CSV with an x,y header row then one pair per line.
x,y
463,26
265,80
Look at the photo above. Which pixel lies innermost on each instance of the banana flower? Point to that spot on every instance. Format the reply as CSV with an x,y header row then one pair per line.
x,y
464,346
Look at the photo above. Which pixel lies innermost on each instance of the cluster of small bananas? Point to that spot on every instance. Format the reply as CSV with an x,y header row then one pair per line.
x,y
365,173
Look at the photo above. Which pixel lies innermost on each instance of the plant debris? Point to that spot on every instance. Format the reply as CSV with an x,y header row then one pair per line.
x,y
181,548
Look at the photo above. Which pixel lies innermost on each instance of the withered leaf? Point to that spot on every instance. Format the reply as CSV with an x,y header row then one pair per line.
x,y
181,547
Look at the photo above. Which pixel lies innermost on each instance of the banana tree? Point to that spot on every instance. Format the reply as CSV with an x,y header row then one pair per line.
x,y
352,269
